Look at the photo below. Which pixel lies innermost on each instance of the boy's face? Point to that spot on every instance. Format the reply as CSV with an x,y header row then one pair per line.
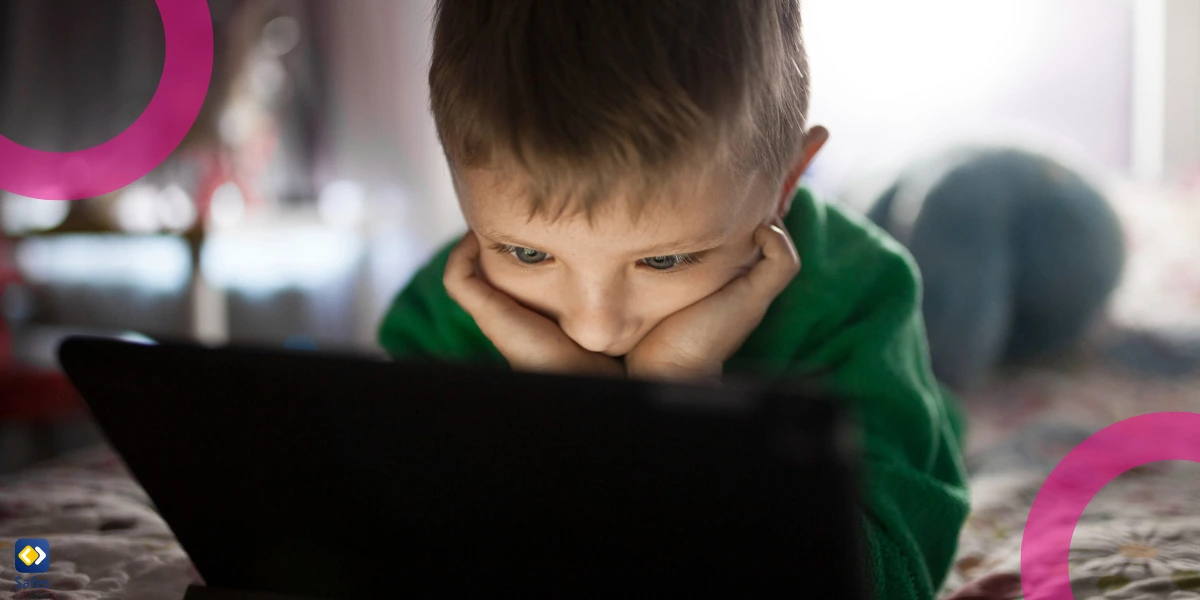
x,y
607,283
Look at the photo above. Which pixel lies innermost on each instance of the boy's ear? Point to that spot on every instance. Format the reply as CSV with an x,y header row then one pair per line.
x,y
813,141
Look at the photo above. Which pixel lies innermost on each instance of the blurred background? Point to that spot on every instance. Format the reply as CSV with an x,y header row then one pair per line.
x,y
312,185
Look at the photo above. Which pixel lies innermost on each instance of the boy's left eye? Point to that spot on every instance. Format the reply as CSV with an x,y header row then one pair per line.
x,y
663,263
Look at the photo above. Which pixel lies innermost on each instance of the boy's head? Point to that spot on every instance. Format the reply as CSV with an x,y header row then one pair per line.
x,y
619,154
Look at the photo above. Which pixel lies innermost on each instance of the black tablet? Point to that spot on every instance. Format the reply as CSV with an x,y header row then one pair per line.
x,y
323,476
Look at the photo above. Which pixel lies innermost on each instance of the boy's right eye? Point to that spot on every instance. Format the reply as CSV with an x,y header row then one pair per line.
x,y
528,256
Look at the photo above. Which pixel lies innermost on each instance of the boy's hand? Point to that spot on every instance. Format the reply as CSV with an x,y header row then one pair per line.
x,y
529,341
695,342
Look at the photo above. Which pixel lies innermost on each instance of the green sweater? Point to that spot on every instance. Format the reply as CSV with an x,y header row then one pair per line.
x,y
853,316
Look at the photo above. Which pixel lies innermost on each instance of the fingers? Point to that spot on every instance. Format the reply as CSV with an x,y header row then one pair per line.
x,y
462,280
779,264
728,316
462,260
498,316
748,296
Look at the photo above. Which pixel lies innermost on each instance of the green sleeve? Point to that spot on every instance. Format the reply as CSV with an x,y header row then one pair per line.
x,y
852,320
424,323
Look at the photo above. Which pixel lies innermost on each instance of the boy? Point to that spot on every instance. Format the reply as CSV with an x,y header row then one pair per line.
x,y
628,172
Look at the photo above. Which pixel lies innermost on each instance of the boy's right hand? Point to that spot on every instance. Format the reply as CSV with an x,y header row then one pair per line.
x,y
529,341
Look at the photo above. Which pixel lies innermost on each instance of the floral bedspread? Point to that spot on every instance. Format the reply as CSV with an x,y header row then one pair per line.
x,y
1138,539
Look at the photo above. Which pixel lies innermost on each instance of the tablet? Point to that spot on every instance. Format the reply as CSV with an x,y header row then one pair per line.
x,y
323,476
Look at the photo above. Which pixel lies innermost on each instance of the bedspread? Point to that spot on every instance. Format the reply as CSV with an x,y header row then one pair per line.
x,y
1138,539
106,540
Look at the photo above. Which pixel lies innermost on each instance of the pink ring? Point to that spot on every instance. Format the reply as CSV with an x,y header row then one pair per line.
x,y
187,70
1106,454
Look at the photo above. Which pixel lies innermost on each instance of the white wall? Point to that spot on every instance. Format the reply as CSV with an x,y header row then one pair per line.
x,y
890,78
1166,109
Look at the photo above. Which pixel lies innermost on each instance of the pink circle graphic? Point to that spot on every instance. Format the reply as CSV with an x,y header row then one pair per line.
x,y
187,70
1046,544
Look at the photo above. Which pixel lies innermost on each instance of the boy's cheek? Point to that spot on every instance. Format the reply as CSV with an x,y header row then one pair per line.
x,y
487,266
498,271
493,271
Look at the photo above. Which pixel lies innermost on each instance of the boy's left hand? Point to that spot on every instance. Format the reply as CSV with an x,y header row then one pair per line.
x,y
695,342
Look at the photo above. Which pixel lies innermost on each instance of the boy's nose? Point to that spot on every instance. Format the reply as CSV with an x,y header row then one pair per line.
x,y
594,332
597,324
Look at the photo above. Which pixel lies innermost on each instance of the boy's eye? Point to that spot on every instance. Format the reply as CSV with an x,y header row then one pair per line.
x,y
530,256
663,263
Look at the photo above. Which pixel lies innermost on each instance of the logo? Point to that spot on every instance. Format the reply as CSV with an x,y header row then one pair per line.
x,y
32,555
187,70
1106,454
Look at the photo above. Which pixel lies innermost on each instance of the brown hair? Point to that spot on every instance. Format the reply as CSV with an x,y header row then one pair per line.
x,y
584,96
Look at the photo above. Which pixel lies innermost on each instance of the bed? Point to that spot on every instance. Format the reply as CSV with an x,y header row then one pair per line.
x,y
1140,538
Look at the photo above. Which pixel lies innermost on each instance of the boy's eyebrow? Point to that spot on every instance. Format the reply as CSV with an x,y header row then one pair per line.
x,y
489,232
690,245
